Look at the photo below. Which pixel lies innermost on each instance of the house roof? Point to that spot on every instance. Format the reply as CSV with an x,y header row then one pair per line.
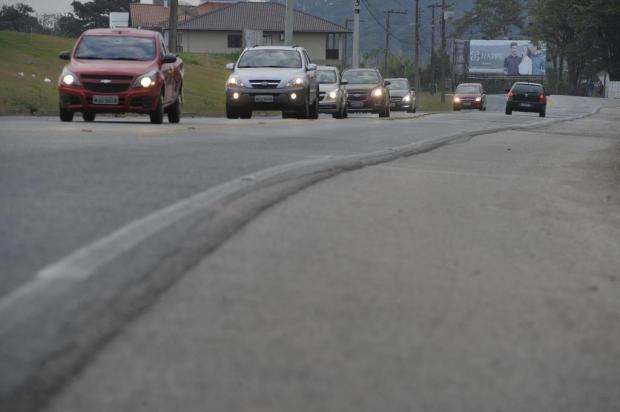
x,y
259,16
151,15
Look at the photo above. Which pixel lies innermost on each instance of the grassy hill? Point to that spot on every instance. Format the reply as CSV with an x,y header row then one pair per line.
x,y
36,57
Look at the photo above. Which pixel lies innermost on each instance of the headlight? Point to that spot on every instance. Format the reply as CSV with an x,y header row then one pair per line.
x,y
377,93
333,94
457,100
478,99
68,78
296,82
407,99
234,81
146,80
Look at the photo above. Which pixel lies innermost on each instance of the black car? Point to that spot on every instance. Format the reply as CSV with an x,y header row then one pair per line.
x,y
367,91
527,97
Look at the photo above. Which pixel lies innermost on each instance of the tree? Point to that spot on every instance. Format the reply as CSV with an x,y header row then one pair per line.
x,y
18,17
492,18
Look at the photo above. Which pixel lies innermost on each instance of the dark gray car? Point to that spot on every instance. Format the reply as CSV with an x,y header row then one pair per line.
x,y
402,95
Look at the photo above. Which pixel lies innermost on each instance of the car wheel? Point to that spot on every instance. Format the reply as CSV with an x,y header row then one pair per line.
x,y
543,113
508,111
314,109
65,115
89,116
157,115
304,112
174,112
231,113
246,114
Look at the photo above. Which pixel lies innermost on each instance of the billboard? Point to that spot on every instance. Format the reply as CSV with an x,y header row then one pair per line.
x,y
507,57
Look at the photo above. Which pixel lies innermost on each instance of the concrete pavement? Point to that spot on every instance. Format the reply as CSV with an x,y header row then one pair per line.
x,y
481,276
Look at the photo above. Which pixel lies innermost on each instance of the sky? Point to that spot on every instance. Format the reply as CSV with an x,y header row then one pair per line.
x,y
53,6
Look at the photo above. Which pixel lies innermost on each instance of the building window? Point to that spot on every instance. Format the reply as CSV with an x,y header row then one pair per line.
x,y
332,51
267,40
234,41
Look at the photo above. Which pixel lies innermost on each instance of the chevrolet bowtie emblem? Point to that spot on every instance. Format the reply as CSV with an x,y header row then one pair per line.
x,y
264,84
106,81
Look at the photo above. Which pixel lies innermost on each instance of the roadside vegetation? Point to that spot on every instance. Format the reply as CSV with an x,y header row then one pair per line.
x,y
30,69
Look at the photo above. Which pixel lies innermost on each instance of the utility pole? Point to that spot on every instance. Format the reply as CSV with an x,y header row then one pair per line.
x,y
172,26
442,79
355,63
289,22
387,37
416,55
346,41
433,7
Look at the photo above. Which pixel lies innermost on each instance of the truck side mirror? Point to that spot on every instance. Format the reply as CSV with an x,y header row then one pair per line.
x,y
66,55
230,66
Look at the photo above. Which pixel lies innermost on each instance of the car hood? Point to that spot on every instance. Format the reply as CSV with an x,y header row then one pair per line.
x,y
114,67
362,86
399,93
467,95
328,87
268,73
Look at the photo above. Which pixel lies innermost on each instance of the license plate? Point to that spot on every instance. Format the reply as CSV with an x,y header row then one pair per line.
x,y
357,104
526,105
263,99
467,104
105,99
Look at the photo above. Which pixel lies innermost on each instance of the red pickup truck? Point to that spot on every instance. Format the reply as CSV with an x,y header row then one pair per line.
x,y
121,71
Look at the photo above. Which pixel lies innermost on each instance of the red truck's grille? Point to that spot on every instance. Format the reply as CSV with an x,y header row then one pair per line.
x,y
106,87
105,77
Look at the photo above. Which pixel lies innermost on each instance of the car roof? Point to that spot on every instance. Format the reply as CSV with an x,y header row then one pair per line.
x,y
327,68
396,78
276,48
362,70
469,84
528,84
121,32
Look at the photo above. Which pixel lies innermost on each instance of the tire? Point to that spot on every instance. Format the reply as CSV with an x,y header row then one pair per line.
x,y
304,112
455,109
542,113
174,112
157,115
231,113
65,115
245,114
508,111
89,116
314,109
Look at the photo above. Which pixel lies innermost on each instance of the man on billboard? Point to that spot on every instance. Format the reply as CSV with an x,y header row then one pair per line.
x,y
512,62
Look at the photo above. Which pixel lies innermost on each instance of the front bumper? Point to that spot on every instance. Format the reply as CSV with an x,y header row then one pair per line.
x,y
526,106
467,105
138,100
401,106
281,98
368,106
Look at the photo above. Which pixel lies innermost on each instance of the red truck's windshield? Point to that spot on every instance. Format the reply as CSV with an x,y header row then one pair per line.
x,y
116,48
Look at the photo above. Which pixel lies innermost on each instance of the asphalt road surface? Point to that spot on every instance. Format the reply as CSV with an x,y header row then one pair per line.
x,y
481,276
65,185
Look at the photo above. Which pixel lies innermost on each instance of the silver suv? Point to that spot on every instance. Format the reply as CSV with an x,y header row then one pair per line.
x,y
278,78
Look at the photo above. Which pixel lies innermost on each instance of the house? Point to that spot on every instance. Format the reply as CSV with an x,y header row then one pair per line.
x,y
223,27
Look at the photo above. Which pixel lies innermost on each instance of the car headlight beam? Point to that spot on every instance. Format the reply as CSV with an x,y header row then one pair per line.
x,y
377,93
68,78
407,99
457,100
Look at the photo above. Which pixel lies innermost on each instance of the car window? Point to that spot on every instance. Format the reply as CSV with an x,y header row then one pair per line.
x,y
398,85
308,61
361,77
327,76
271,58
467,89
527,88
116,48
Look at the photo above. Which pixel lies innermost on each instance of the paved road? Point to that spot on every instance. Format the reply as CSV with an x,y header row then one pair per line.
x,y
66,185
482,276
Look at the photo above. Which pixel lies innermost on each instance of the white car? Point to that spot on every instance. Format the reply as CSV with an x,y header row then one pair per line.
x,y
280,78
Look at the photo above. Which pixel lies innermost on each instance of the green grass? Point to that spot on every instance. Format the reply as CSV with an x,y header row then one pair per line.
x,y
432,103
205,75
